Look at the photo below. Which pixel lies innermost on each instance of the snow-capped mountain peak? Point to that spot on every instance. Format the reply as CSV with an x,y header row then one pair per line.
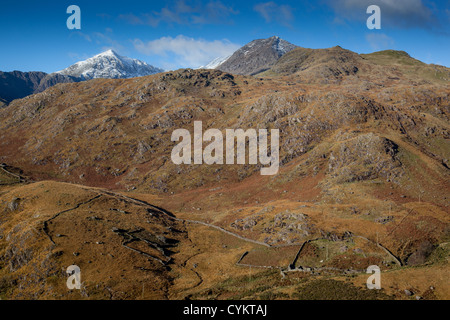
x,y
108,53
110,65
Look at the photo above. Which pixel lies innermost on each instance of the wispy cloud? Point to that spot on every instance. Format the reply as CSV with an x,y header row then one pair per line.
x,y
187,51
104,16
272,12
82,35
395,13
380,41
106,41
132,19
185,13
74,56
214,12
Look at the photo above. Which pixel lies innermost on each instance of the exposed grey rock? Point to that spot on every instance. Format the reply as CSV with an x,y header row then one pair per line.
x,y
52,79
14,204
384,220
257,56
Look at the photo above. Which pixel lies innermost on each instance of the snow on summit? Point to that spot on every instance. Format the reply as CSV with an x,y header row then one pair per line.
x,y
109,65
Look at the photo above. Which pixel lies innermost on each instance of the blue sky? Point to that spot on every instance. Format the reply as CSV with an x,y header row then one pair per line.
x,y
190,33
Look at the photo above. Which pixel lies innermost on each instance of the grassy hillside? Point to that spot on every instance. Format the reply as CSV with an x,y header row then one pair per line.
x,y
364,179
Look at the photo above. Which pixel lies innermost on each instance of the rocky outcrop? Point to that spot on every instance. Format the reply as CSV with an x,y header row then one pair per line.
x,y
367,156
257,56
54,78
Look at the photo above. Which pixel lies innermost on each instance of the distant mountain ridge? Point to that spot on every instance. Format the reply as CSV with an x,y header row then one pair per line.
x,y
17,84
110,65
263,57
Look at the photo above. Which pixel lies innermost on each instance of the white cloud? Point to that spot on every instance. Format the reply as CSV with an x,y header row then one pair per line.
x,y
188,52
271,11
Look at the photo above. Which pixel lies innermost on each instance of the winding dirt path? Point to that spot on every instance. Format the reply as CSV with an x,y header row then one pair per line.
x,y
141,202
290,268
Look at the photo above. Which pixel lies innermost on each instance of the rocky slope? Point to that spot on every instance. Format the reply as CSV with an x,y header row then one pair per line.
x,y
255,57
52,79
104,234
135,120
364,152
325,65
